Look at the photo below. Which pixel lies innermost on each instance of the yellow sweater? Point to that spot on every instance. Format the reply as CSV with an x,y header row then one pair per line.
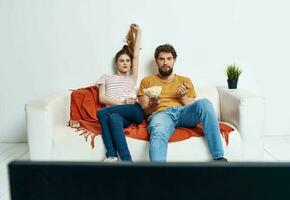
x,y
170,96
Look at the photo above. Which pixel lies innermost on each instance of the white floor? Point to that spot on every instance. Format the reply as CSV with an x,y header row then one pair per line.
x,y
9,152
276,149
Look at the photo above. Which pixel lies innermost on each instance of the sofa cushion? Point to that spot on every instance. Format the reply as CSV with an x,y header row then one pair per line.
x,y
68,145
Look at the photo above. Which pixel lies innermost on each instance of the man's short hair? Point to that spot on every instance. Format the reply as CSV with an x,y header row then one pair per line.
x,y
167,48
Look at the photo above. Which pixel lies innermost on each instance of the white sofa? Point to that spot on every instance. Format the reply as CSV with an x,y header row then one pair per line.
x,y
50,139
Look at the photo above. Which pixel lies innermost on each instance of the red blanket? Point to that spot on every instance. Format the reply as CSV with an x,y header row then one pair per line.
x,y
84,106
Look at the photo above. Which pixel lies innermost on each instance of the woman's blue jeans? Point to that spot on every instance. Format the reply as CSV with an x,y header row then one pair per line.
x,y
113,119
162,125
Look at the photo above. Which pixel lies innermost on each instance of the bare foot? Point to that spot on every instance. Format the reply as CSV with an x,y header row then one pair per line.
x,y
74,124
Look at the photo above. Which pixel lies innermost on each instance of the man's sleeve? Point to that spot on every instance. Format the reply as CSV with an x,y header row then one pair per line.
x,y
191,91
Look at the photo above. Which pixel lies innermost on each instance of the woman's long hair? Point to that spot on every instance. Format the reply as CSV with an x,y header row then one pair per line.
x,y
130,40
128,48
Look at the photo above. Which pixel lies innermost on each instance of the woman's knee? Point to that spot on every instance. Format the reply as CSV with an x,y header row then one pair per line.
x,y
102,112
115,117
137,114
139,118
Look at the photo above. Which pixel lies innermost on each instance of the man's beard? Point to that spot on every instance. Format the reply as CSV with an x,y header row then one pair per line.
x,y
165,73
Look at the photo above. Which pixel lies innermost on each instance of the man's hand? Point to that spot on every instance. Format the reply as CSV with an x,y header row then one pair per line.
x,y
154,102
182,89
149,105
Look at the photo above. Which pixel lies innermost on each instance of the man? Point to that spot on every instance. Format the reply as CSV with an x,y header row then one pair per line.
x,y
175,107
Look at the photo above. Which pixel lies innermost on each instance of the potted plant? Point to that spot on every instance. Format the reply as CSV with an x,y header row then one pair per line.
x,y
233,72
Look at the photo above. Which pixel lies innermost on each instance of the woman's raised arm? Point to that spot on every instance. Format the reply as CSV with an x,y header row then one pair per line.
x,y
135,62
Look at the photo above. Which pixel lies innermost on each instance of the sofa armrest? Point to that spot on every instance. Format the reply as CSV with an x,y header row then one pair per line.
x,y
41,116
246,111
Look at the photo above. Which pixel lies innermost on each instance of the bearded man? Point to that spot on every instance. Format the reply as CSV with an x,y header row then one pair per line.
x,y
175,107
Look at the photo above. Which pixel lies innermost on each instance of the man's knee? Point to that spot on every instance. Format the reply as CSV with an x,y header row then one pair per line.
x,y
203,104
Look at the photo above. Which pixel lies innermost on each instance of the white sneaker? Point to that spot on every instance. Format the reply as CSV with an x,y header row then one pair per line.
x,y
111,159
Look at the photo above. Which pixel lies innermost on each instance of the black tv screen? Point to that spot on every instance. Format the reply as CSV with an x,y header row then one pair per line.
x,y
148,181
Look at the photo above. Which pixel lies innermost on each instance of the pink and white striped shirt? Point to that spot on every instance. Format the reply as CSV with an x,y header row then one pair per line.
x,y
117,87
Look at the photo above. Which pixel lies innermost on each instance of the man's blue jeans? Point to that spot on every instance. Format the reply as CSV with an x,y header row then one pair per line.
x,y
162,125
113,119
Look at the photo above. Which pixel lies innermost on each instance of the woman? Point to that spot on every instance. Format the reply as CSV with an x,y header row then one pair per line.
x,y
114,91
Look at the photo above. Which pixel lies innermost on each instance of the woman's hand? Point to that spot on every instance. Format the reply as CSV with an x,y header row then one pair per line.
x,y
135,28
130,100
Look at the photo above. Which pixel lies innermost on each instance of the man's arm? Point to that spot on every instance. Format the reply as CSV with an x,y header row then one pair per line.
x,y
186,101
148,105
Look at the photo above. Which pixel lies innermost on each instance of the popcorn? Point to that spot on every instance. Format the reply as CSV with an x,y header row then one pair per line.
x,y
153,91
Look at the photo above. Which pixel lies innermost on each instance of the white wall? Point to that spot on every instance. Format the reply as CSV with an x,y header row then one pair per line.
x,y
52,45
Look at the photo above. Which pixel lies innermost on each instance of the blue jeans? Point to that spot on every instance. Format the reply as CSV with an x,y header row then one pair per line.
x,y
113,119
162,125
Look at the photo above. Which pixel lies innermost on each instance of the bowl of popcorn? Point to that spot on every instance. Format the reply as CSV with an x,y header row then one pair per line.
x,y
153,91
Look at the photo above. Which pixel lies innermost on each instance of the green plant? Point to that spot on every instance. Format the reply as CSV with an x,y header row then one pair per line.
x,y
233,71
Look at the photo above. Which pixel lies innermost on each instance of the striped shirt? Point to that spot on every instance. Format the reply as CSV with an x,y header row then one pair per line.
x,y
117,87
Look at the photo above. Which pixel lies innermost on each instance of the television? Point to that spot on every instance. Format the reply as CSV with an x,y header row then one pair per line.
x,y
53,180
